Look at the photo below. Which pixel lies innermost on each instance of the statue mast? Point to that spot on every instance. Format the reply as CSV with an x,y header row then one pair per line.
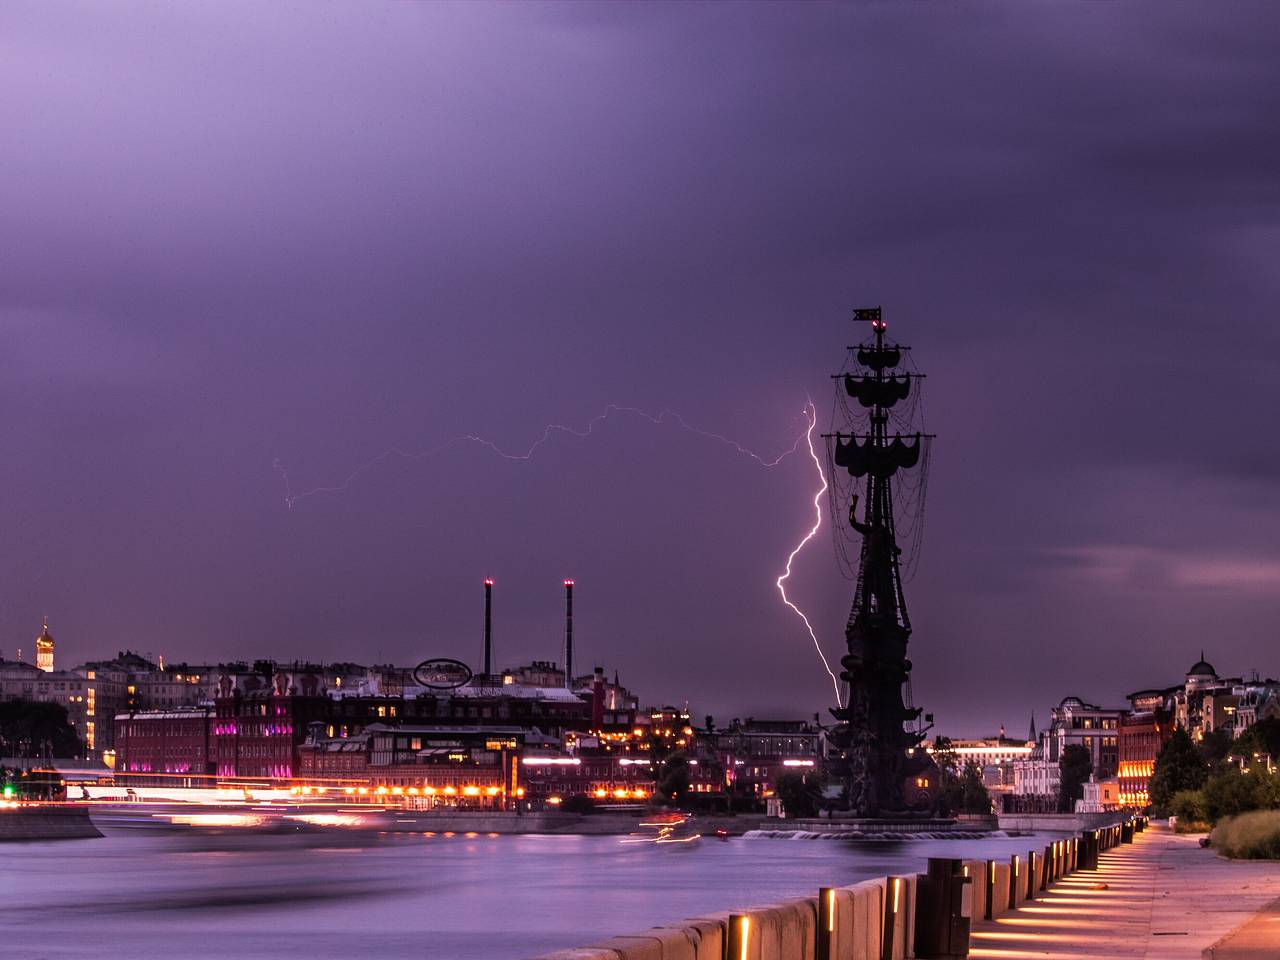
x,y
888,774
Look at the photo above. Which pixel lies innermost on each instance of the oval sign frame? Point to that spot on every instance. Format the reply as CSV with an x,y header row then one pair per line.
x,y
429,673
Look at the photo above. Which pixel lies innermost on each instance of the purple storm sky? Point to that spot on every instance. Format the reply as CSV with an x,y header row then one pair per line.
x,y
237,234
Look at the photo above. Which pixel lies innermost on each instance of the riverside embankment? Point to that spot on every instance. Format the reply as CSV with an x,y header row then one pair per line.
x,y
46,822
1164,897
605,824
1110,893
592,824
887,918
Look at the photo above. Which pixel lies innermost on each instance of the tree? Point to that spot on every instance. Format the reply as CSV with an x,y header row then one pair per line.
x,y
800,793
1232,791
1262,737
944,755
1215,747
973,796
1074,769
33,729
673,775
1178,767
960,790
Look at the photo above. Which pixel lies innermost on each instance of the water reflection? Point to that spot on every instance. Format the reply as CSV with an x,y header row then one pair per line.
x,y
152,895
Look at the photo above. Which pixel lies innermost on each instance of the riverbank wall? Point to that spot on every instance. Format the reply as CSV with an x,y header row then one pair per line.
x,y
594,824
841,829
1053,822
40,822
887,918
605,824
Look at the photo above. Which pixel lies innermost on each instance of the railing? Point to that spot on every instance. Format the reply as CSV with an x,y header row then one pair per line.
x,y
889,918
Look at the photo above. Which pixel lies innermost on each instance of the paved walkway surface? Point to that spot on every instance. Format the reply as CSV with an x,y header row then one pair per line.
x,y
1166,898
1260,937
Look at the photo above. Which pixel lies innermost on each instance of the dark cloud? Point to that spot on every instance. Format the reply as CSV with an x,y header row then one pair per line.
x,y
237,235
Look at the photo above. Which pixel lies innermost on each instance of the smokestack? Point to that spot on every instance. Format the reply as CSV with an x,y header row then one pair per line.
x,y
597,699
568,634
488,627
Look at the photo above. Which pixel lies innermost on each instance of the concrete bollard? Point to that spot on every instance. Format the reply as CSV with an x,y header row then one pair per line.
x,y
847,923
979,874
897,905
870,897
785,931
661,944
708,936
859,920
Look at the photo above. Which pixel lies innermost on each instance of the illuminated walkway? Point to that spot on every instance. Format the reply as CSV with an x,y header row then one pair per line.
x,y
1166,899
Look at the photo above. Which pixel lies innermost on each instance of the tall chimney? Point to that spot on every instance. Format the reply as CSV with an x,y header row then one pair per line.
x,y
488,627
568,634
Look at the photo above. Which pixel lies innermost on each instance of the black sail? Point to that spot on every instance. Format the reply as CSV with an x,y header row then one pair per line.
x,y
861,459
879,358
871,392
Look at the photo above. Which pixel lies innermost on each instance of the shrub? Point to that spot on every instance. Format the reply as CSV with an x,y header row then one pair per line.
x,y
1188,807
1250,836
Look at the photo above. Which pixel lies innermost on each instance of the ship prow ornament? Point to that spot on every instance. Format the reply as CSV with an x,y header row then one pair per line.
x,y
885,454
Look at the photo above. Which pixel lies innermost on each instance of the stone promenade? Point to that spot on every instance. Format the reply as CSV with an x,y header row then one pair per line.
x,y
1165,898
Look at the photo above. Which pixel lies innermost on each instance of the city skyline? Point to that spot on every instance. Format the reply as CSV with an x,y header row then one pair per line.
x,y
309,253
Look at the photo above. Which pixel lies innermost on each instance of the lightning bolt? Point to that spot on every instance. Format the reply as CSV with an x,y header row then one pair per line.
x,y
291,499
811,414
811,421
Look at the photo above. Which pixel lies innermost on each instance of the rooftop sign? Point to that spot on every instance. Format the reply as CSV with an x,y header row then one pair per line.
x,y
442,673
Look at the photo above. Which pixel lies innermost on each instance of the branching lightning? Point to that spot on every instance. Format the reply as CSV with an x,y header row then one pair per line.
x,y
811,412
291,499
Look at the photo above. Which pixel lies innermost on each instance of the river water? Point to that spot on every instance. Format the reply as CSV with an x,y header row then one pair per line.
x,y
149,895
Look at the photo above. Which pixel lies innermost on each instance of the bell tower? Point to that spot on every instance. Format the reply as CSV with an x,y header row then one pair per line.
x,y
44,649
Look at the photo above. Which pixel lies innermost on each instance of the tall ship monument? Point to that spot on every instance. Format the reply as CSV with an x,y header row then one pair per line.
x,y
879,442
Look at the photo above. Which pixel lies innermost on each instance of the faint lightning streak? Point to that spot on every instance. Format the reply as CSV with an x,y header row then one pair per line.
x,y
811,418
811,414
291,499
